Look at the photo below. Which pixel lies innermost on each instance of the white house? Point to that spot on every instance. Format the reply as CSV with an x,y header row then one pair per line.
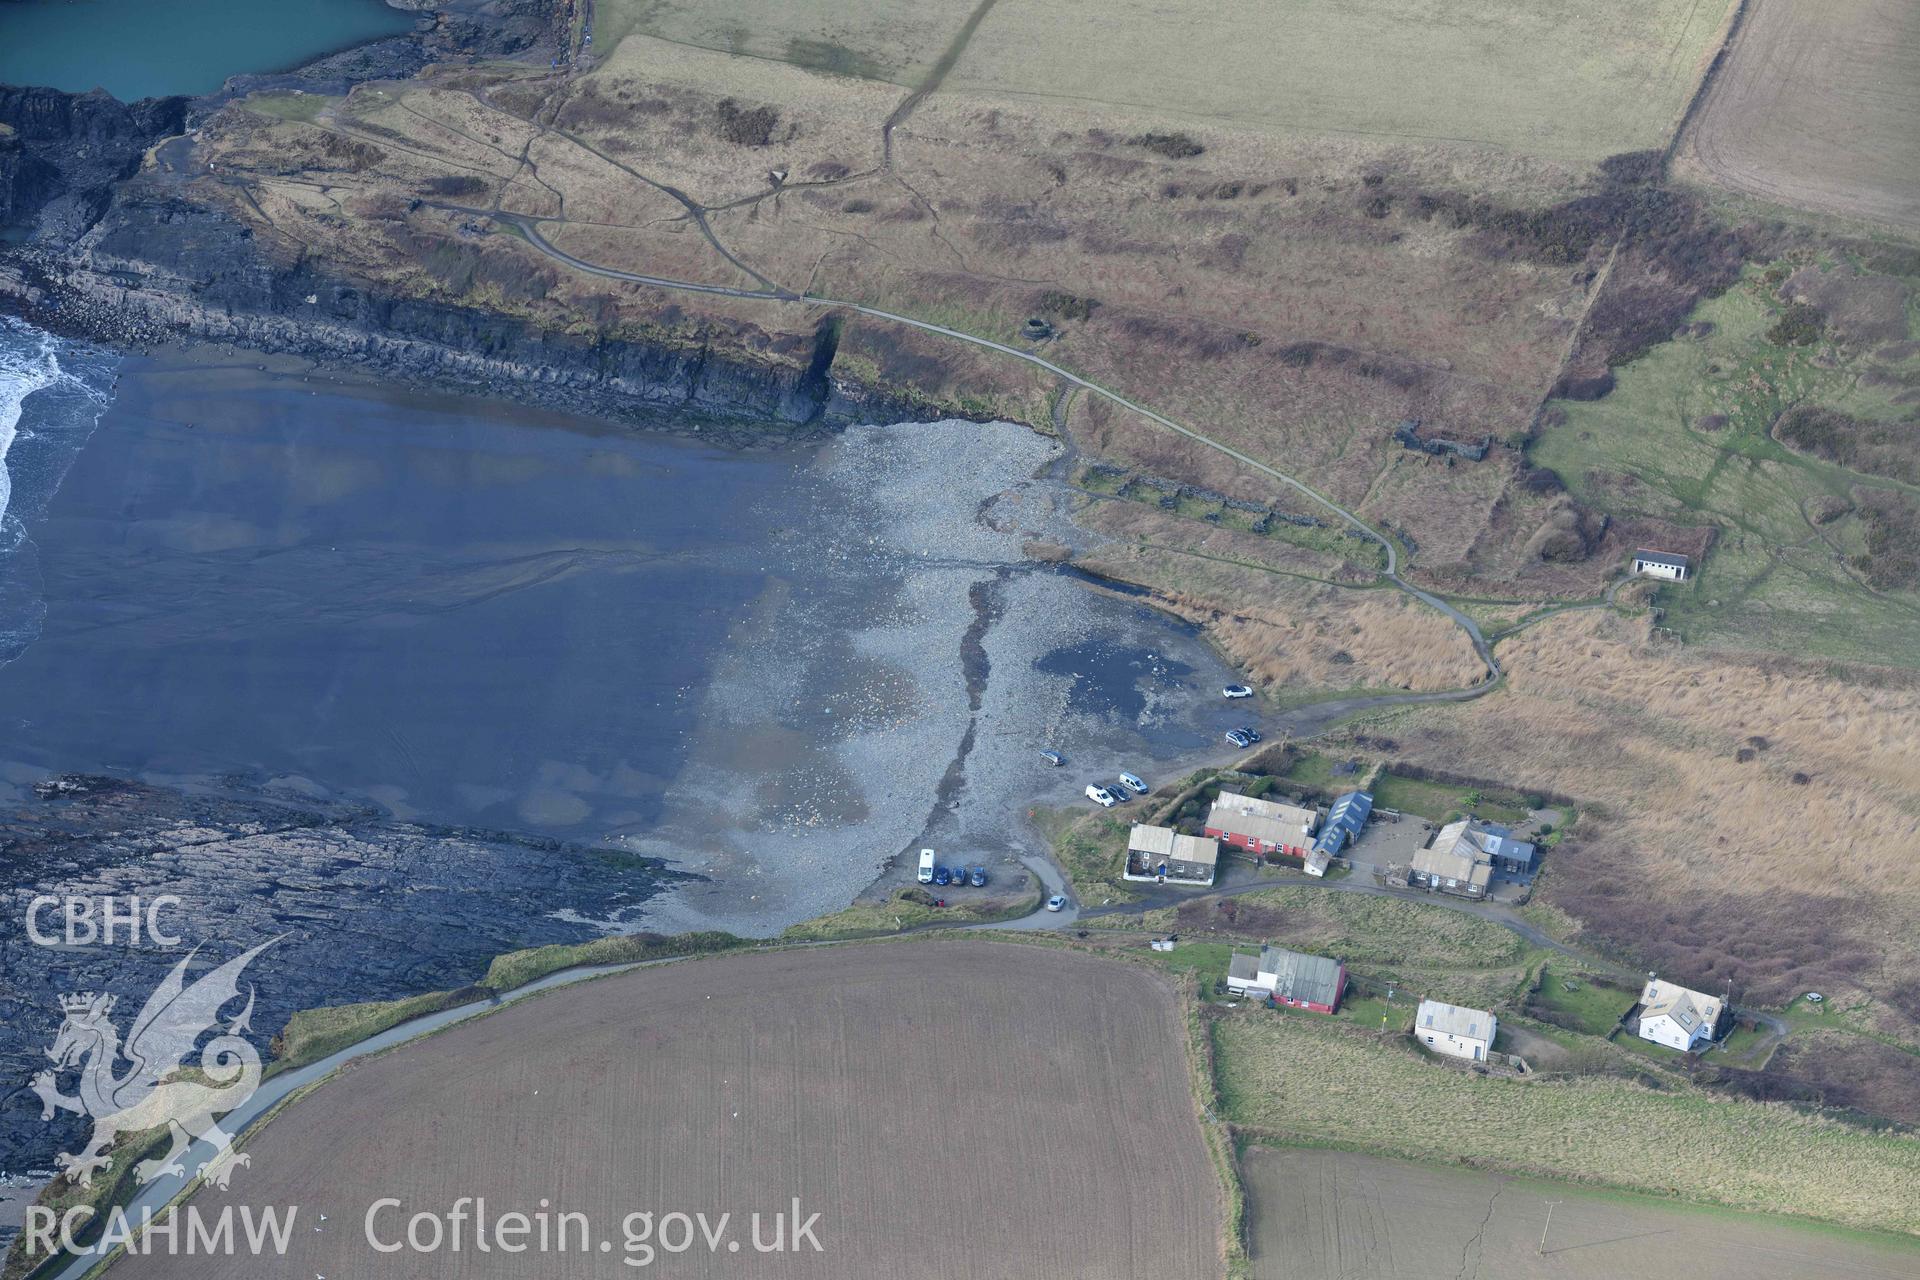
x,y
1450,1029
1660,564
1676,1017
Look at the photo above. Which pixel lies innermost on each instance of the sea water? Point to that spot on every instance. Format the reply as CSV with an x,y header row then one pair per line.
x,y
52,393
143,48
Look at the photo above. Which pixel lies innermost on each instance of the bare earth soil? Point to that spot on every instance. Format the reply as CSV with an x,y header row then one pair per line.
x,y
1818,105
949,1109
1321,1215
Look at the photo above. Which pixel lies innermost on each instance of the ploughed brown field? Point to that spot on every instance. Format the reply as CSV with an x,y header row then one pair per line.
x,y
1326,1215
1818,105
948,1109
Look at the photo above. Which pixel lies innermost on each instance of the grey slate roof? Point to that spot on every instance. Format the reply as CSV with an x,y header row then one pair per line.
x,y
1302,978
1453,1020
1660,557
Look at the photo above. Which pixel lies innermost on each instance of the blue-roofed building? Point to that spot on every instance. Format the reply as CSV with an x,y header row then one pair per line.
x,y
1515,857
1344,822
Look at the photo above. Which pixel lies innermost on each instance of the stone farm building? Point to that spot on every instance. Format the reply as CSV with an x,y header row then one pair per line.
x,y
1676,1017
1452,1030
1261,826
1660,564
1464,855
1289,978
1163,855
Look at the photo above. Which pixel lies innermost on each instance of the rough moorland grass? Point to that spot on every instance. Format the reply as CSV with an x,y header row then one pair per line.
x,y
904,911
517,968
1091,849
312,1034
1357,928
1313,1081
115,1187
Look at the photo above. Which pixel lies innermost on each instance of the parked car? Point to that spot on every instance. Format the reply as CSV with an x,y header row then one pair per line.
x,y
1133,784
1253,734
1236,691
1101,796
926,866
1239,738
942,876
1053,758
978,878
1057,903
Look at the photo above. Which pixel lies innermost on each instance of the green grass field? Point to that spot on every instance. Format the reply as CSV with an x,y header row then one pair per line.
x,y
1435,800
1319,1081
1551,77
1588,1008
1380,933
1559,79
1686,436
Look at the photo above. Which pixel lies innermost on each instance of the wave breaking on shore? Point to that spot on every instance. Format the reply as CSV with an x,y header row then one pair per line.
x,y
52,392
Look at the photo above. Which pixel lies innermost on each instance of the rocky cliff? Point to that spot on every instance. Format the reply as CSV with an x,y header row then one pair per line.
x,y
61,153
156,266
129,258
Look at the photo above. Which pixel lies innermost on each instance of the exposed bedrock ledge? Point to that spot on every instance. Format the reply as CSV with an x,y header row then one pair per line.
x,y
156,267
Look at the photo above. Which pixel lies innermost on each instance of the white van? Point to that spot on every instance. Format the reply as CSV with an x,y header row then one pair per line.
x,y
926,866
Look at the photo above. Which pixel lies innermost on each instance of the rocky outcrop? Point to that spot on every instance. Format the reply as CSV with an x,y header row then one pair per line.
x,y
61,153
364,907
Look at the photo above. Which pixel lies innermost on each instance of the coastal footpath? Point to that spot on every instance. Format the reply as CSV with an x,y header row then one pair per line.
x,y
130,258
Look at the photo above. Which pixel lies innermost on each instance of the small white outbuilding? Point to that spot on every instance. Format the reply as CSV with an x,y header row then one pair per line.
x,y
1660,564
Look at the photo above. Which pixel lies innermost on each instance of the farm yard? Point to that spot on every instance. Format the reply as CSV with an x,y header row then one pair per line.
x,y
1326,1215
1818,106
948,1108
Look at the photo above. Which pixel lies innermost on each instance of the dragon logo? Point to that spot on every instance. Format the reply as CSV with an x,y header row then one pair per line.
x,y
158,1086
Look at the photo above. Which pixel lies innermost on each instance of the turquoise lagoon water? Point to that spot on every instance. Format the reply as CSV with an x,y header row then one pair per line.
x,y
144,48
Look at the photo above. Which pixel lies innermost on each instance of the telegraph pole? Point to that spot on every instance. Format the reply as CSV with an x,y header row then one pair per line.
x,y
1544,1227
